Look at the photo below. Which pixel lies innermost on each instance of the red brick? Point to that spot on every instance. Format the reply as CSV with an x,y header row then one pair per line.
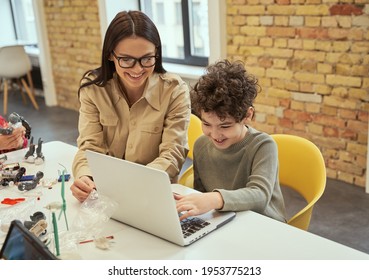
x,y
329,121
348,134
285,123
301,126
297,115
363,116
312,33
285,103
346,10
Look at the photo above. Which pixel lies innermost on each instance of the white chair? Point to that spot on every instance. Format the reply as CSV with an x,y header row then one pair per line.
x,y
15,65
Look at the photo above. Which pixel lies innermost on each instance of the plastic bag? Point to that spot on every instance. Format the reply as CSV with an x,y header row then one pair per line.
x,y
94,213
20,211
89,222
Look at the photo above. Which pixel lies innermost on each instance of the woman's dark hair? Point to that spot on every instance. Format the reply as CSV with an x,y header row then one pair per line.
x,y
124,25
225,89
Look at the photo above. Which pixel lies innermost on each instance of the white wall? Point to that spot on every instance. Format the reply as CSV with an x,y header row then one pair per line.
x,y
44,54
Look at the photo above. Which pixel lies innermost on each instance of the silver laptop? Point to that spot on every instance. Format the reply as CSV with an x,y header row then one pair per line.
x,y
146,202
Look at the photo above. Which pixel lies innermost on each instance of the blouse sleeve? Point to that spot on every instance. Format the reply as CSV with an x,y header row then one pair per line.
x,y
174,146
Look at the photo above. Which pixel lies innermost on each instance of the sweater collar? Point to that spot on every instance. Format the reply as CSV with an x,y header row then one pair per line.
x,y
237,146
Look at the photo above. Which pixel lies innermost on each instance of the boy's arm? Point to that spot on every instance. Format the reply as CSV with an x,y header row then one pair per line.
x,y
259,185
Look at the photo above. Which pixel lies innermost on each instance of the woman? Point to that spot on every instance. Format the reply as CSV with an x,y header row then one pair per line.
x,y
130,107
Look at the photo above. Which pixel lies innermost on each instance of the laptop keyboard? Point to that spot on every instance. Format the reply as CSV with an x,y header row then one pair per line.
x,y
191,225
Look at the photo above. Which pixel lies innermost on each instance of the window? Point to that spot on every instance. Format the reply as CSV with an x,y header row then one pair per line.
x,y
214,35
198,34
17,22
178,13
24,21
183,28
164,50
180,51
160,18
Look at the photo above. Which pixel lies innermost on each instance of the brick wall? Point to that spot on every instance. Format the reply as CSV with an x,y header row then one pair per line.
x,y
73,29
311,58
312,61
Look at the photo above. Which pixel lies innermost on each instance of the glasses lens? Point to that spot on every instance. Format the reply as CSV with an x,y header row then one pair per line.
x,y
126,62
148,61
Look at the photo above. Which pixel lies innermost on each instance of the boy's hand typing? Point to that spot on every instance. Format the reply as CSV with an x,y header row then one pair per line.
x,y
197,203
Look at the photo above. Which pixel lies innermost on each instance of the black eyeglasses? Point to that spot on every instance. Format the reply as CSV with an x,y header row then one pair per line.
x,y
130,62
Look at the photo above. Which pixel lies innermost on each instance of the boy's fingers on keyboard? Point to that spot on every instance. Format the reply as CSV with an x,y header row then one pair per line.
x,y
177,196
184,215
183,208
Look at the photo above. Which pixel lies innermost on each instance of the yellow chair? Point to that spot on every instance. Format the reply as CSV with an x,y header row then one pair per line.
x,y
15,65
194,132
186,178
302,168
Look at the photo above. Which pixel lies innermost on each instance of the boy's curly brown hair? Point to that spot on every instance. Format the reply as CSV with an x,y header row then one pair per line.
x,y
225,89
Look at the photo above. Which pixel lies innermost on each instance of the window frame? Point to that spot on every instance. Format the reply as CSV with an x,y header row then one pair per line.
x,y
188,59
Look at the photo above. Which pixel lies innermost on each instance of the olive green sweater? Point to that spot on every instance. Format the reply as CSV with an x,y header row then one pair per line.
x,y
246,174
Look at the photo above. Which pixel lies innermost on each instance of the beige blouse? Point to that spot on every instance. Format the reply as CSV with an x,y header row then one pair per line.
x,y
152,132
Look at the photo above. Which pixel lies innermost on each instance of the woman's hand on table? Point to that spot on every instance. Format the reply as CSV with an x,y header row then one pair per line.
x,y
82,187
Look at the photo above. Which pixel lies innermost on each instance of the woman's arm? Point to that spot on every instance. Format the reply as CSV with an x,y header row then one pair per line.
x,y
90,133
174,146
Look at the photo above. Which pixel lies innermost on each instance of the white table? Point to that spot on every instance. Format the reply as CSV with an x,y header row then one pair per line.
x,y
249,236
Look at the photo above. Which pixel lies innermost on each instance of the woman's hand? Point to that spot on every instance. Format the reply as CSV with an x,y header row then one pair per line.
x,y
82,187
197,203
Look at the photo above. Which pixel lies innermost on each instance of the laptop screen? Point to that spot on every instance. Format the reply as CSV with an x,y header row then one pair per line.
x,y
21,244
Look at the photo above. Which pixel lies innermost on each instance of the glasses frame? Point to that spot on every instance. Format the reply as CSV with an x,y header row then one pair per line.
x,y
135,60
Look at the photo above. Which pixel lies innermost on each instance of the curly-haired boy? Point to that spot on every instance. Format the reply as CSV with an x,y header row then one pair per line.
x,y
235,165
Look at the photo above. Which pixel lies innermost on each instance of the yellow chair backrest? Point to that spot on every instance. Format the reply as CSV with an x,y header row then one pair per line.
x,y
302,168
186,178
194,132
